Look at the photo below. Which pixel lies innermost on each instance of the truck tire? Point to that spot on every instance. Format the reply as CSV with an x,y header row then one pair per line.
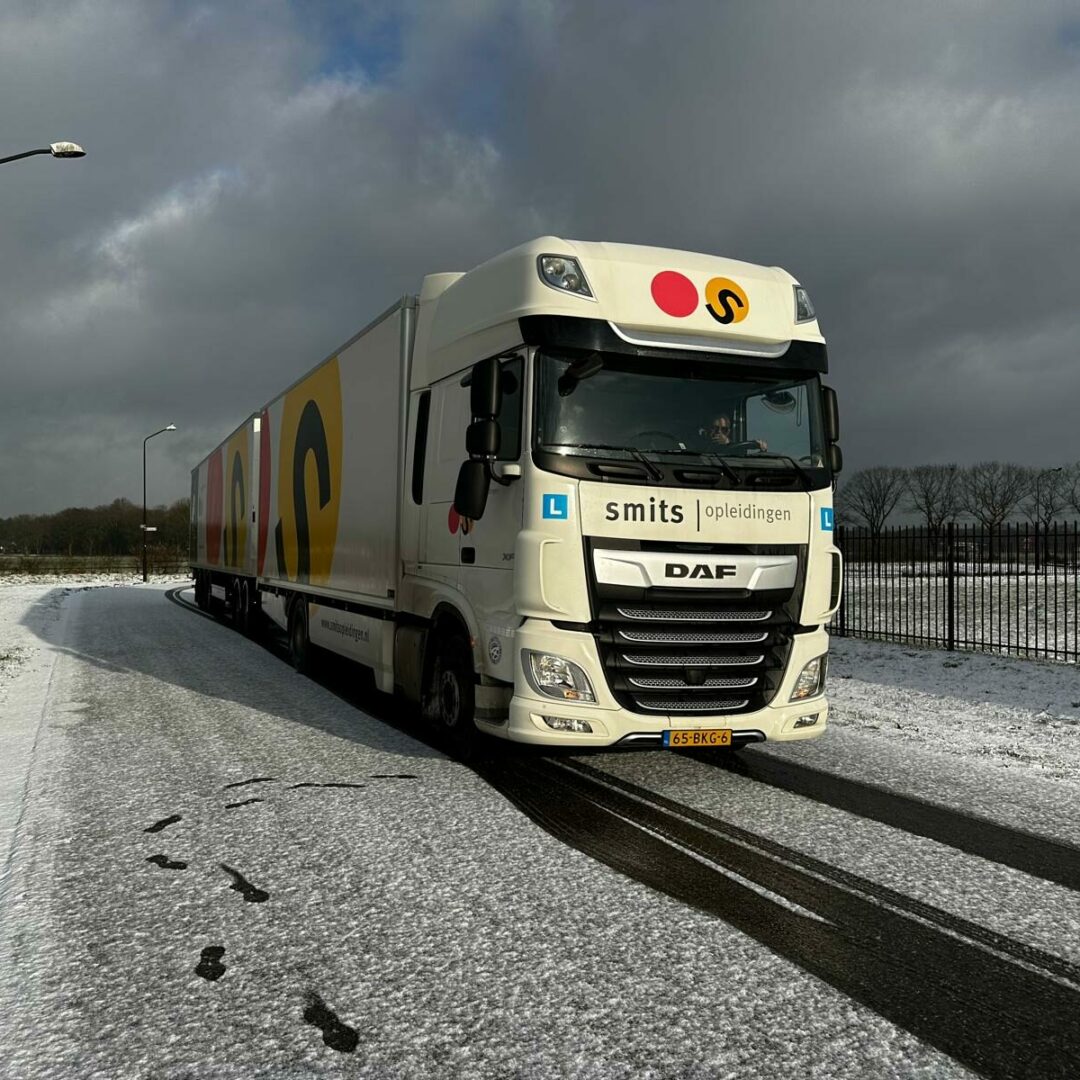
x,y
254,625
237,612
202,590
300,647
451,695
244,616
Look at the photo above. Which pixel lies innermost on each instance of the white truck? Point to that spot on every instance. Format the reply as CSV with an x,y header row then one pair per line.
x,y
580,495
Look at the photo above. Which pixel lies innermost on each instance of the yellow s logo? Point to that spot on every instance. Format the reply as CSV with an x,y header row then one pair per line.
x,y
309,477
726,301
236,498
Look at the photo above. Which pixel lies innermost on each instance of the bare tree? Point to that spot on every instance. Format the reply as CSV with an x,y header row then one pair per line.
x,y
1072,483
934,492
871,495
991,491
1047,494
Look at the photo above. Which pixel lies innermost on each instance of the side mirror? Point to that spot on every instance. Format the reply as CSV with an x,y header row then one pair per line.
x,y
471,492
836,459
482,438
832,414
485,388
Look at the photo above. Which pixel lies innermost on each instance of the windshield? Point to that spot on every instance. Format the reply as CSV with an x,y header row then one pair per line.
x,y
607,405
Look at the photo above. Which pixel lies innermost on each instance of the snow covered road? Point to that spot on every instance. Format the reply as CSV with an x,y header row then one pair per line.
x,y
214,867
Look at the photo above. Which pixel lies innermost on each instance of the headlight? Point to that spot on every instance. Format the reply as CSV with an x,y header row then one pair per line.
x,y
563,273
811,680
804,309
557,677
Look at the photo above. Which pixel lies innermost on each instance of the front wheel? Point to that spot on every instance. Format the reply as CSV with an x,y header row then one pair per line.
x,y
450,700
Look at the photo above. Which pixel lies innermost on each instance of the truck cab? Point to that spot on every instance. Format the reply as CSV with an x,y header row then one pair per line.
x,y
616,500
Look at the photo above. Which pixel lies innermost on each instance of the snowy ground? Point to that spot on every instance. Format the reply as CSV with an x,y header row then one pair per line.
x,y
1012,713
67,581
1022,715
454,935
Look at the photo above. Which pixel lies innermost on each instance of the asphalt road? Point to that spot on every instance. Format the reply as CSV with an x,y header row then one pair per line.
x,y
221,868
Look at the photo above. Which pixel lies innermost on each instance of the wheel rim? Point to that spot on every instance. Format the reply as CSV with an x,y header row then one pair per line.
x,y
449,700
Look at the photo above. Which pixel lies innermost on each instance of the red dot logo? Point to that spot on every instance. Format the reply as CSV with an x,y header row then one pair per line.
x,y
453,519
674,293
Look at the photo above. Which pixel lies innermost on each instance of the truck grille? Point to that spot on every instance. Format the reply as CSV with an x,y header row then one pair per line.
x,y
692,614
690,660
693,637
711,705
653,683
685,651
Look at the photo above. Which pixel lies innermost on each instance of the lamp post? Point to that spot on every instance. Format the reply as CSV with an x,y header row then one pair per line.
x,y
57,149
171,427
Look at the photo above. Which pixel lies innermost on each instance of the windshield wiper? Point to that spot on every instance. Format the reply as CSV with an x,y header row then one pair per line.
x,y
650,468
710,457
633,451
785,457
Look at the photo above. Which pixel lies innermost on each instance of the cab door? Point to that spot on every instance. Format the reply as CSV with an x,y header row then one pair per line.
x,y
440,524
487,545
490,541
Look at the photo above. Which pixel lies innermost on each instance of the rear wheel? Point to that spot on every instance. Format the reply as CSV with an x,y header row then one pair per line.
x,y
245,621
450,700
300,647
254,625
236,604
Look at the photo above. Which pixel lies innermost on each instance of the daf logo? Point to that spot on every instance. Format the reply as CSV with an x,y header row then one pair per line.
x,y
699,570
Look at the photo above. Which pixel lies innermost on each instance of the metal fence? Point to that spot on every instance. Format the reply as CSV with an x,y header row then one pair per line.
x,y
1013,589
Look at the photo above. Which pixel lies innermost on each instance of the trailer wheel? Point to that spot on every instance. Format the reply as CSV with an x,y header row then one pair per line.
x,y
451,695
236,604
202,590
300,649
242,614
253,619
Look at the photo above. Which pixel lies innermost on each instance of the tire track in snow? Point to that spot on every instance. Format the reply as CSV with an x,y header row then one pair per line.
x,y
1040,856
998,1006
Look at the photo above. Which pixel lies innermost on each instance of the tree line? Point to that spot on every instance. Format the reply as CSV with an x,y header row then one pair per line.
x,y
96,531
989,493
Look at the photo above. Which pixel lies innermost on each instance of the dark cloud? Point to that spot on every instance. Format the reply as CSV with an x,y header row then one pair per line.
x,y
262,181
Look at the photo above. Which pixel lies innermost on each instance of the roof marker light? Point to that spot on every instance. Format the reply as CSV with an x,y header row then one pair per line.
x,y
563,273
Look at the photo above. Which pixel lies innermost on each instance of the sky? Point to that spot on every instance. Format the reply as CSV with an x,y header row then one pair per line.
x,y
265,177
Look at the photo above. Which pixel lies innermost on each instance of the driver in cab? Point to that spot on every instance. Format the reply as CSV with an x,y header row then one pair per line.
x,y
719,432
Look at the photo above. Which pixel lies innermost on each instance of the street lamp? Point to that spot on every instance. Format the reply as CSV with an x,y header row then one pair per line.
x,y
57,149
145,530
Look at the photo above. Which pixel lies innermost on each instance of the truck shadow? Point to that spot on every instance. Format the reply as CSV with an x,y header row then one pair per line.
x,y
203,655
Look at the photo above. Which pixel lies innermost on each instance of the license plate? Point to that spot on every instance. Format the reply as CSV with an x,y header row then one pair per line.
x,y
705,737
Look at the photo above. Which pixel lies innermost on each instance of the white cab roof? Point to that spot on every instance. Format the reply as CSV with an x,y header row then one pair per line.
x,y
650,296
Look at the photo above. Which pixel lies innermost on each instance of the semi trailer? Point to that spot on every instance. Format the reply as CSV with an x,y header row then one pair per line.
x,y
580,495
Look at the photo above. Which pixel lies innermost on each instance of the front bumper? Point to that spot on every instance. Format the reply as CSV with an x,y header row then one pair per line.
x,y
613,724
